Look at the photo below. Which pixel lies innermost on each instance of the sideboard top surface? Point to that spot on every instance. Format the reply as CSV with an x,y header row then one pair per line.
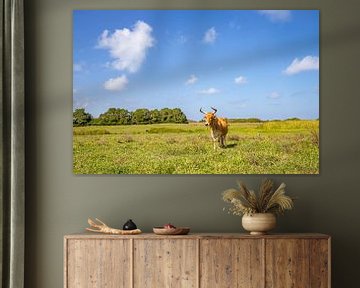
x,y
87,235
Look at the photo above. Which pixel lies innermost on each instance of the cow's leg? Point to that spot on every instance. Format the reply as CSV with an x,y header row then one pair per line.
x,y
215,141
220,142
224,141
222,145
215,138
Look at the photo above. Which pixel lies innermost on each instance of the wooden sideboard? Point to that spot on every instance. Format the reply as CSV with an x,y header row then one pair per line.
x,y
197,260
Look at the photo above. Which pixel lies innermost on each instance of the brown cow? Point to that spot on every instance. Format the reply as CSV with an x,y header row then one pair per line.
x,y
218,126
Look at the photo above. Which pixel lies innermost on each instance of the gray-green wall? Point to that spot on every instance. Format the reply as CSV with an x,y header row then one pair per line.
x,y
58,202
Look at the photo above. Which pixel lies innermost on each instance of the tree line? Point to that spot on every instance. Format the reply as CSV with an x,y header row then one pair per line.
x,y
120,116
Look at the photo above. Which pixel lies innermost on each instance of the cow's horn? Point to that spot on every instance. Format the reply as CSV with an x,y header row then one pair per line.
x,y
215,110
202,111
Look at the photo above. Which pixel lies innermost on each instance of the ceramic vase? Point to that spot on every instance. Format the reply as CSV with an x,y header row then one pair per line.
x,y
259,223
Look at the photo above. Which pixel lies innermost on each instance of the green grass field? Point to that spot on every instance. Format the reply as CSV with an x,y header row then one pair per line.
x,y
278,147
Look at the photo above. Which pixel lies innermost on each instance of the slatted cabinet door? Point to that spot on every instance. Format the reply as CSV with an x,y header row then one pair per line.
x,y
297,263
320,263
231,263
98,263
287,263
165,263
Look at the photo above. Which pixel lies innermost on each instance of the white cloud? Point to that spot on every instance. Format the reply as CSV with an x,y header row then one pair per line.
x,y
277,15
210,35
240,80
128,46
209,91
116,84
191,80
274,95
305,64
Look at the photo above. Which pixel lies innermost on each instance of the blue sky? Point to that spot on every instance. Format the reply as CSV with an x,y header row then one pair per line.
x,y
246,63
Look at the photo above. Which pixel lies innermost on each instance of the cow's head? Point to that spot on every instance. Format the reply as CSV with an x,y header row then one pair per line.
x,y
209,117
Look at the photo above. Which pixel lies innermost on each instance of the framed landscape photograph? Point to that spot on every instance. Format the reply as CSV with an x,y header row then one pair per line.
x,y
196,92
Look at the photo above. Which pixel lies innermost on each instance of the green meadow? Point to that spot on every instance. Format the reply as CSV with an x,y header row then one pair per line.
x,y
274,147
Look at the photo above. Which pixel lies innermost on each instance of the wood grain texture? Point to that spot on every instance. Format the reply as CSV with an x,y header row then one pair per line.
x,y
98,264
197,260
231,263
319,263
166,263
287,263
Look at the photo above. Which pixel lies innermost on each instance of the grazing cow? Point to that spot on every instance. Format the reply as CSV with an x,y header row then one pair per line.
x,y
218,126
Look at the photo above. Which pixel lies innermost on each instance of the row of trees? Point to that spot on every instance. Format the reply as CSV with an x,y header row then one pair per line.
x,y
119,116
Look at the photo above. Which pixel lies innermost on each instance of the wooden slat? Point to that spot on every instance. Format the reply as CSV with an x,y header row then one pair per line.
x,y
319,263
165,263
263,251
198,263
98,264
231,263
131,252
287,263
